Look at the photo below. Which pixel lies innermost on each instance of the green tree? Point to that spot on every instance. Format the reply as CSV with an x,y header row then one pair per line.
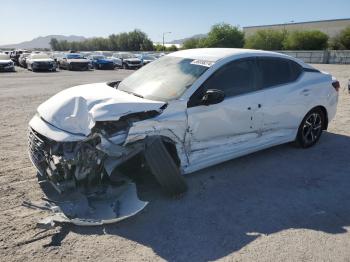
x,y
266,40
54,44
306,40
191,43
342,40
172,48
223,35
159,48
131,41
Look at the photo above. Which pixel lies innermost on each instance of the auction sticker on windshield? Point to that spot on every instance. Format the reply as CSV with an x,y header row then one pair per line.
x,y
202,63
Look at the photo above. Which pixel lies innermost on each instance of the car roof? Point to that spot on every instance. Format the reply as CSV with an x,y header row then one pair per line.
x,y
215,54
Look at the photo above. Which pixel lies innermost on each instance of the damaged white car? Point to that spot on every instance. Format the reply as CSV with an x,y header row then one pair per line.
x,y
183,112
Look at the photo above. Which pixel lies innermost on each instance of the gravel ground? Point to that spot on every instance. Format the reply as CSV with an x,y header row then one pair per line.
x,y
280,204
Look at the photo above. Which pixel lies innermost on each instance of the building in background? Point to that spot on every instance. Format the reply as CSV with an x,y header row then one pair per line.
x,y
330,27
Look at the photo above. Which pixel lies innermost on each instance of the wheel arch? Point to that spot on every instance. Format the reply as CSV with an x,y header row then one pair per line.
x,y
170,145
325,114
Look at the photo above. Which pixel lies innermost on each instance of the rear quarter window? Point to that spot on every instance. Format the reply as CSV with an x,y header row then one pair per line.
x,y
277,71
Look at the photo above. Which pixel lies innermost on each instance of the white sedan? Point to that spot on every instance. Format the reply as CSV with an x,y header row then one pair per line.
x,y
183,112
40,61
6,64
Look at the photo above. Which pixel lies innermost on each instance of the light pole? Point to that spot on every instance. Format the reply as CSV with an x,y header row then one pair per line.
x,y
164,33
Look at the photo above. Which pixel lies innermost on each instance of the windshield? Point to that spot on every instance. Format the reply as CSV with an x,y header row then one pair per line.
x,y
164,79
39,56
4,57
74,56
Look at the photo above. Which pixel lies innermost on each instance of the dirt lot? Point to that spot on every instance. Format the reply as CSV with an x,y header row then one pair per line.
x,y
281,204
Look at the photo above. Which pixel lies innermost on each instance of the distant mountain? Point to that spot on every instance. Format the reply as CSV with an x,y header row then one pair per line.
x,y
181,41
43,41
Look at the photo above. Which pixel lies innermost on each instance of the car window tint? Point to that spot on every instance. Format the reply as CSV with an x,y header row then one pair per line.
x,y
235,78
296,70
274,71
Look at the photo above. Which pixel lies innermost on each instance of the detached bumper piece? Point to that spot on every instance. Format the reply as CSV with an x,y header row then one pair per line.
x,y
110,205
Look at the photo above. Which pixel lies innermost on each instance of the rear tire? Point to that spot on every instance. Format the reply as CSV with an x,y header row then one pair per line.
x,y
163,167
310,129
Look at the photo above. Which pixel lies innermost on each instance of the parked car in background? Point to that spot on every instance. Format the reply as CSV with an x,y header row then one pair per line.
x,y
6,64
117,61
56,56
101,62
107,54
16,54
41,61
86,54
158,55
146,58
129,60
22,60
73,61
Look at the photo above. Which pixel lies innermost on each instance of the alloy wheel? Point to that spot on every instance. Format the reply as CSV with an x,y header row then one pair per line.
x,y
312,128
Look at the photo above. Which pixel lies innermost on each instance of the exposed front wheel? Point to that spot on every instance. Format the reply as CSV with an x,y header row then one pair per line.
x,y
164,167
310,129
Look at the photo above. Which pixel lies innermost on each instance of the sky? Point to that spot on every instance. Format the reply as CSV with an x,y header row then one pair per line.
x,y
23,20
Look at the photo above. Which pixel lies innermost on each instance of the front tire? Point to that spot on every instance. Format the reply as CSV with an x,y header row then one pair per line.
x,y
164,167
310,129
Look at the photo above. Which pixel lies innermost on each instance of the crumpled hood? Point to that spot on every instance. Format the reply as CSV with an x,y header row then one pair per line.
x,y
78,108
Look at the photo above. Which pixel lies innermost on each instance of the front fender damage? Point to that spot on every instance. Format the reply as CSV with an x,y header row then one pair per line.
x,y
89,187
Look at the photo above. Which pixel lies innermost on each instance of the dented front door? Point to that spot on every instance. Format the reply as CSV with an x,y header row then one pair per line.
x,y
218,127
224,129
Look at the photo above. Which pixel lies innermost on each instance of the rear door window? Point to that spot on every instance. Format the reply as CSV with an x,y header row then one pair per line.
x,y
277,71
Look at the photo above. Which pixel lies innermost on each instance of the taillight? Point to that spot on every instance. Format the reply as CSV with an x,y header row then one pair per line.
x,y
336,85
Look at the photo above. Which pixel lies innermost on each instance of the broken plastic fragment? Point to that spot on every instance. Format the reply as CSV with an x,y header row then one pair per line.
x,y
110,206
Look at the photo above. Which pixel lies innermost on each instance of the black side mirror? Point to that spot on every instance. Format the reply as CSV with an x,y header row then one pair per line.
x,y
213,96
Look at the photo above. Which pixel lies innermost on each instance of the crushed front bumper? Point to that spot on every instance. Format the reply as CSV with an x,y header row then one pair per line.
x,y
80,171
